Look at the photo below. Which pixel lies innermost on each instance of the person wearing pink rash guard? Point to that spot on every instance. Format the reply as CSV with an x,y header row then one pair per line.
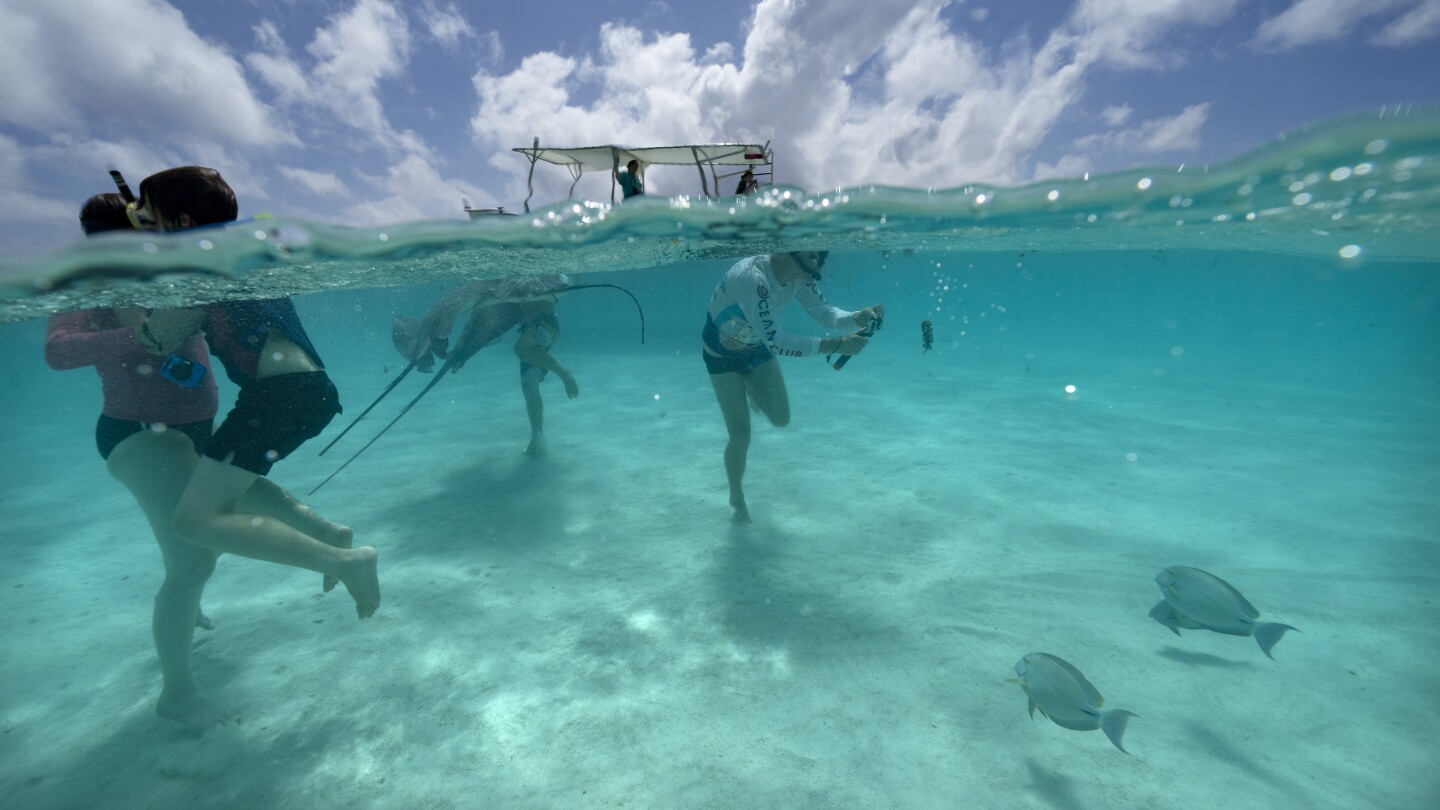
x,y
159,407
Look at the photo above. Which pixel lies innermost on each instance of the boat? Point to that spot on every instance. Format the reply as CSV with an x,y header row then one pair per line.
x,y
721,160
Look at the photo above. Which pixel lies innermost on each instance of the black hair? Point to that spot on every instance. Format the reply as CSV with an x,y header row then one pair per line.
x,y
195,190
104,212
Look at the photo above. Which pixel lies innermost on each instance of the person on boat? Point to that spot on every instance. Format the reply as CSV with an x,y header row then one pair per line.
x,y
525,304
632,181
742,336
159,405
747,183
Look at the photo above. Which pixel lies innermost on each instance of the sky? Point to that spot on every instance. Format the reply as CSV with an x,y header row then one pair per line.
x,y
371,112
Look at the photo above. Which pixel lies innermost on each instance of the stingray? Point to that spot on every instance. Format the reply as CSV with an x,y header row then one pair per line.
x,y
494,307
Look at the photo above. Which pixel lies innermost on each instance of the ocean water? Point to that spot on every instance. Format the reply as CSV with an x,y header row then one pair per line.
x,y
1232,367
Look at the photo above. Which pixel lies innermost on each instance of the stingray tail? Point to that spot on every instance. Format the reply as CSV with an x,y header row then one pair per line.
x,y
638,308
1113,723
1268,634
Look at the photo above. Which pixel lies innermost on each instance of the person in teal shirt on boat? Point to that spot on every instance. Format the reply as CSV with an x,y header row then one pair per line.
x,y
632,183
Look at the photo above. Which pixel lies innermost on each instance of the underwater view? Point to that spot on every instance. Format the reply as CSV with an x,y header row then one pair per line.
x,y
1151,454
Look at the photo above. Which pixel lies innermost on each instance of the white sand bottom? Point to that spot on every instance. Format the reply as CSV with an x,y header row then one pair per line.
x,y
591,630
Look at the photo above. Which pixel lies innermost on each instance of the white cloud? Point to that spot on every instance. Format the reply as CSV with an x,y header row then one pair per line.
x,y
124,65
1117,114
22,205
1416,25
416,191
448,26
1132,33
492,49
1156,136
1311,21
349,59
1066,167
284,76
322,184
931,107
359,49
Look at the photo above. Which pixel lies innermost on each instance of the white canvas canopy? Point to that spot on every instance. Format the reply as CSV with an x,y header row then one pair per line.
x,y
611,157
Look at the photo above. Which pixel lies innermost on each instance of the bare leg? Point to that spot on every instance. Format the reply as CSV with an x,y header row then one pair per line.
x,y
156,467
539,361
209,515
730,393
763,388
535,409
265,497
766,388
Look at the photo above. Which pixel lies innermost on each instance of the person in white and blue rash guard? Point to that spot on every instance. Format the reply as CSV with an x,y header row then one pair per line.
x,y
743,334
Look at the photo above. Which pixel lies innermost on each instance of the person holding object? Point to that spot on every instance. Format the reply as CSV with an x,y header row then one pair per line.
x,y
742,335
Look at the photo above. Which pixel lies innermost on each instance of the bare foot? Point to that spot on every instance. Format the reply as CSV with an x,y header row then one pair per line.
x,y
740,512
342,537
572,388
202,621
359,572
197,713
537,446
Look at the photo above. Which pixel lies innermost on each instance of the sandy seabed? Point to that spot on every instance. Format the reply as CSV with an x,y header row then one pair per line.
x,y
591,630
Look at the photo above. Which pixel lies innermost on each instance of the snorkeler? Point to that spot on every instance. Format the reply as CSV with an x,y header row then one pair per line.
x,y
159,408
742,335
285,398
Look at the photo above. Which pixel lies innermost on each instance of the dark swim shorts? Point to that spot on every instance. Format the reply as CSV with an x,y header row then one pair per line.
x,y
272,417
720,360
109,432
735,363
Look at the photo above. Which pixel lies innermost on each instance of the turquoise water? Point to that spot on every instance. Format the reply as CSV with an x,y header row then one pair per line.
x,y
1253,350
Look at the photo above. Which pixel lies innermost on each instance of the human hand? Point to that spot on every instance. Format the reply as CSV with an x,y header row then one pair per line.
x,y
572,388
852,344
865,316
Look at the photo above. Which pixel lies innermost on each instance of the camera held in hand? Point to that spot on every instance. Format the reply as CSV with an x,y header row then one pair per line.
x,y
869,331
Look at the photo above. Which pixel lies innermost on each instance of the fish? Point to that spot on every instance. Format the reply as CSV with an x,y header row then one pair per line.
x,y
1198,600
1063,695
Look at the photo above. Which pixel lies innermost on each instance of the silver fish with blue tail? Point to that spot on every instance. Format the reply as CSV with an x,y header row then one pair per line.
x,y
1062,694
1198,600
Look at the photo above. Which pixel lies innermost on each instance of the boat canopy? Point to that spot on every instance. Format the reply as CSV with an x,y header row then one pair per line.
x,y
610,157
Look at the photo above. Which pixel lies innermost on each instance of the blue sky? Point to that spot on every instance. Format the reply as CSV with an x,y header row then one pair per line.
x,y
369,112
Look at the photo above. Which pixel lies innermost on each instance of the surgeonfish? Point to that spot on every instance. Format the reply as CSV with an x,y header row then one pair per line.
x,y
1062,694
1197,600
